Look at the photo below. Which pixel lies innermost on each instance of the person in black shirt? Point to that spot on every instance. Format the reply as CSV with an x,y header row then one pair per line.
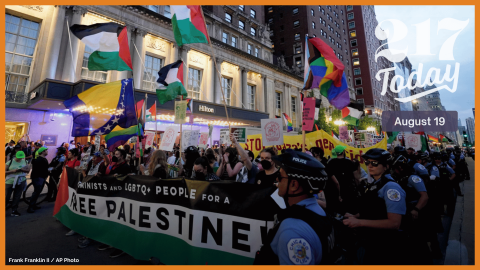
x,y
269,175
203,170
38,176
158,166
119,166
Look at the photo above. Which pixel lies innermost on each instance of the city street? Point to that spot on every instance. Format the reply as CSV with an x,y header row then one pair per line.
x,y
41,236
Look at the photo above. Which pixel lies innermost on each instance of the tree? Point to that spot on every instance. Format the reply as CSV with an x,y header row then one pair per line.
x,y
367,121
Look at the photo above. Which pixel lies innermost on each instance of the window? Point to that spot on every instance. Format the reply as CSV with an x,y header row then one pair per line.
x,y
20,42
253,31
358,81
242,8
350,16
241,25
314,35
360,100
99,76
349,8
282,40
227,88
351,25
312,12
356,71
278,104
253,13
323,11
356,61
234,41
150,74
313,25
296,24
320,19
166,12
153,8
249,49
297,36
341,11
256,52
354,52
295,11
319,8
228,17
298,61
353,34
194,85
329,8
344,31
251,97
298,49
353,42
225,37
294,111
270,21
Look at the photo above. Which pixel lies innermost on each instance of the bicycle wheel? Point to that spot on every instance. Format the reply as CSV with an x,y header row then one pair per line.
x,y
27,194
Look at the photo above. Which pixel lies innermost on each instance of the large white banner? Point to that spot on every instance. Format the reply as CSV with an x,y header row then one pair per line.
x,y
272,131
168,139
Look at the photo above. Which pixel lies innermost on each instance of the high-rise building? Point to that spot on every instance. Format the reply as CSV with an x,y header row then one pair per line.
x,y
470,122
290,24
361,24
459,122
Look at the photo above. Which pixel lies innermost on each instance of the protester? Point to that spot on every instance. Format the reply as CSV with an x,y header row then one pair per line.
x,y
72,159
27,149
247,173
9,149
230,159
158,166
191,154
39,176
203,170
15,175
269,175
55,168
118,166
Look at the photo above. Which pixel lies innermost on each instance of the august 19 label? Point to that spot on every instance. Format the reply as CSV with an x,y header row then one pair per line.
x,y
433,121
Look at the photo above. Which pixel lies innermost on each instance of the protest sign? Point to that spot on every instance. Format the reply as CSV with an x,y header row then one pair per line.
x,y
150,136
343,132
359,136
97,143
176,221
317,138
240,134
272,131
351,136
414,141
186,138
210,130
225,136
308,114
180,111
203,140
169,137
194,136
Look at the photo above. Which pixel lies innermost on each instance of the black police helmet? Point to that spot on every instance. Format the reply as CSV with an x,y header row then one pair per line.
x,y
423,156
436,155
61,150
303,167
400,161
400,150
378,154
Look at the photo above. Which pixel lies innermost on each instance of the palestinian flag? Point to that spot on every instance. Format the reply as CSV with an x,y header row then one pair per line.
x,y
151,114
109,43
352,113
120,136
140,109
170,82
442,138
189,25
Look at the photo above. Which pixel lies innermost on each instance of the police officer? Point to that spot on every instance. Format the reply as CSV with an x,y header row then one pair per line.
x,y
414,222
419,167
55,168
302,235
446,176
381,208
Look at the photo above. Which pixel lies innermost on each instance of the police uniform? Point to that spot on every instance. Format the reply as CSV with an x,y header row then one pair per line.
x,y
422,172
380,198
296,242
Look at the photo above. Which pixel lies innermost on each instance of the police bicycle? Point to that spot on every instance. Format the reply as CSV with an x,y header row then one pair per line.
x,y
45,193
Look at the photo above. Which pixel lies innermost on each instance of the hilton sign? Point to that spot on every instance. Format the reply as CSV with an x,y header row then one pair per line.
x,y
204,108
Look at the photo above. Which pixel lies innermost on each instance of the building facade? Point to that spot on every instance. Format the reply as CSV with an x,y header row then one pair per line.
x,y
470,123
361,23
46,64
289,26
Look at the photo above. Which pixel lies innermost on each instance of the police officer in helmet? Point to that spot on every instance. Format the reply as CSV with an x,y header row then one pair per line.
x,y
301,237
381,208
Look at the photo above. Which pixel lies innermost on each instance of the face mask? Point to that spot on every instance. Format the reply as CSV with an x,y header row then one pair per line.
x,y
114,159
266,164
200,175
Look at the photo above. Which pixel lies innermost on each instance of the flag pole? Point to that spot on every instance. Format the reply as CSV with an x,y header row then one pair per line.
x,y
180,141
216,67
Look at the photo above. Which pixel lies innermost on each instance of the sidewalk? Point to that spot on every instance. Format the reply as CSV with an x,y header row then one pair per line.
x,y
461,240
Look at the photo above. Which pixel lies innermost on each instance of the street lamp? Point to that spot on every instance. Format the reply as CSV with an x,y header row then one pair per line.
x,y
339,123
370,128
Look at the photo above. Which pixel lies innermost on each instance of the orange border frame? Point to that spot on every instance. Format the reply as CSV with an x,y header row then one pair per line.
x,y
218,2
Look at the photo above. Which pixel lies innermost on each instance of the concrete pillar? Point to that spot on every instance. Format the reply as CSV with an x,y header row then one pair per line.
x,y
216,80
71,55
287,106
210,77
121,75
138,60
244,72
265,91
173,54
183,55
55,39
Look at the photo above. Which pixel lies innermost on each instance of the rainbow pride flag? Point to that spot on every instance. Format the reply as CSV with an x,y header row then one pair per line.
x,y
325,71
288,122
120,136
432,139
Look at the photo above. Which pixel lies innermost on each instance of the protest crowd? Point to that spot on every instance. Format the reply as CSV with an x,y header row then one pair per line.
x,y
399,199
